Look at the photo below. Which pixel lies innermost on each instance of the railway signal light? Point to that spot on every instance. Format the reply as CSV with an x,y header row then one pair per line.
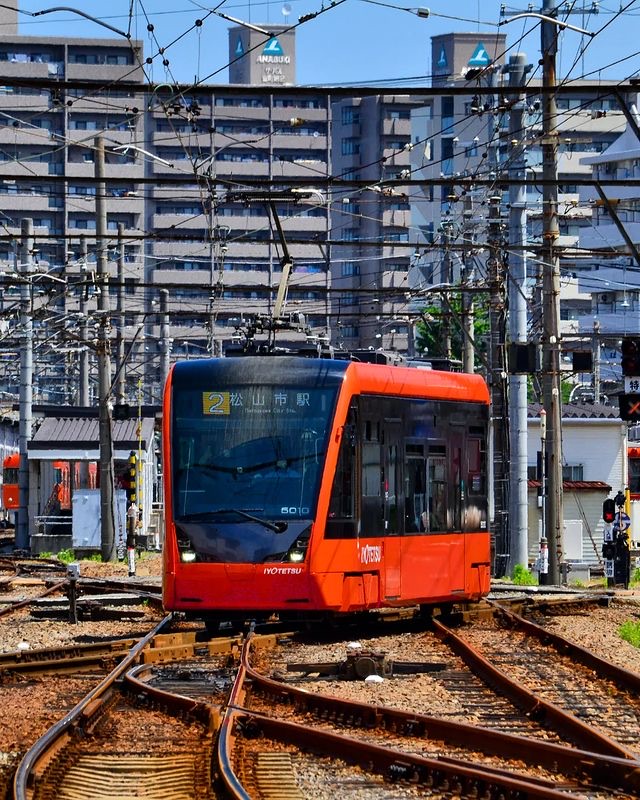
x,y
630,356
629,405
609,511
132,493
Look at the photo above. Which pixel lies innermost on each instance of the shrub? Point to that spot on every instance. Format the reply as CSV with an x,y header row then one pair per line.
x,y
66,556
630,632
522,576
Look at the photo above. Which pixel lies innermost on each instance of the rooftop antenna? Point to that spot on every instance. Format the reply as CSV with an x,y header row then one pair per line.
x,y
286,10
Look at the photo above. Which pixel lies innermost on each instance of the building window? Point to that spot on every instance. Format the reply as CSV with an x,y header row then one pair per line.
x,y
350,331
350,146
350,268
350,115
573,472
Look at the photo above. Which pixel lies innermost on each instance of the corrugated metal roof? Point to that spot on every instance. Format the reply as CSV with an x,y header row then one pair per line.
x,y
60,432
576,486
579,411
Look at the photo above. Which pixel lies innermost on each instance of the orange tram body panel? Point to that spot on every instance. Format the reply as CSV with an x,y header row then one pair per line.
x,y
298,486
10,494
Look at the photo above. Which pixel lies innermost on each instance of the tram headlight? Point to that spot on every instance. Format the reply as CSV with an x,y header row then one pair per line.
x,y
187,556
298,549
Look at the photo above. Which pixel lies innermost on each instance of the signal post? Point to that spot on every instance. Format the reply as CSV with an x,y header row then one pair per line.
x,y
616,546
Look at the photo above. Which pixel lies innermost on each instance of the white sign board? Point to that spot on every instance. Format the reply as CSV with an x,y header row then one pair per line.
x,y
85,510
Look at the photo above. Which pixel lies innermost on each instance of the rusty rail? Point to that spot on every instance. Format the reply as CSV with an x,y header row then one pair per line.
x,y
531,703
25,776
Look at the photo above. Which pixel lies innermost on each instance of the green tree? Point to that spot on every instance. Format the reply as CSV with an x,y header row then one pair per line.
x,y
430,329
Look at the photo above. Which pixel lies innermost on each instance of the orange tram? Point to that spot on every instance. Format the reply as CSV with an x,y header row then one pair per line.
x,y
308,486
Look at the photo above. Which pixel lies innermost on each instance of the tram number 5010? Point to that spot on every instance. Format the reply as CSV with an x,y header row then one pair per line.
x,y
294,511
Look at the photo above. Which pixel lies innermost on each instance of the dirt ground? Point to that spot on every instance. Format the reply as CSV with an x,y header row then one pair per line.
x,y
148,565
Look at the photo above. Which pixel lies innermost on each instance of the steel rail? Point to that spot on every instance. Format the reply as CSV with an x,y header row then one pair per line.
x,y
487,782
391,763
606,770
24,778
535,706
624,678
24,603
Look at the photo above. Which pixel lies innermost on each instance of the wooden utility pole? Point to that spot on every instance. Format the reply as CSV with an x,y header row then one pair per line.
x,y
107,521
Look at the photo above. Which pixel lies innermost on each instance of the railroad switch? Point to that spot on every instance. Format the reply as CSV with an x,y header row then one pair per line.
x,y
361,664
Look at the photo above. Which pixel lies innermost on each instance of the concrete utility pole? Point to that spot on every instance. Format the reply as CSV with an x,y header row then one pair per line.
x,y
120,371
518,505
26,382
107,517
83,398
165,341
551,296
596,356
497,385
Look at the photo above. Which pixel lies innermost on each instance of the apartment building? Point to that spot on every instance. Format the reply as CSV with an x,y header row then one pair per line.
x,y
47,174
205,236
370,226
469,135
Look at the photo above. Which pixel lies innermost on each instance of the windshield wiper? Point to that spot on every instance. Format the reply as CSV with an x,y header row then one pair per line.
x,y
276,527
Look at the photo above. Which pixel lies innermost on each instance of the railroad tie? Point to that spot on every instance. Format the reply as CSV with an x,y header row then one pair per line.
x,y
275,778
114,777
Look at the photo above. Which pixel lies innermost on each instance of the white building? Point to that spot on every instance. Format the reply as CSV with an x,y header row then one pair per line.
x,y
594,447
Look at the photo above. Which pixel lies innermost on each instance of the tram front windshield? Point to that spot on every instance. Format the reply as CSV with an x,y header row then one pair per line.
x,y
246,464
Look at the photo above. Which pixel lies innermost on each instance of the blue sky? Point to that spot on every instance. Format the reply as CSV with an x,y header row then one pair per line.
x,y
352,41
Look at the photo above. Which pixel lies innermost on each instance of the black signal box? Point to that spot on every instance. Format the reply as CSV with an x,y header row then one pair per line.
x,y
609,511
629,407
630,356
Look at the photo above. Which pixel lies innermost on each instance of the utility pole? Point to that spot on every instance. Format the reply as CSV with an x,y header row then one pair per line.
x,y
447,278
497,386
468,348
120,383
165,341
83,398
26,382
107,521
518,504
596,355
83,389
552,398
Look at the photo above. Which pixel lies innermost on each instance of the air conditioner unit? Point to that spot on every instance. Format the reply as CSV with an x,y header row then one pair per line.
x,y
605,298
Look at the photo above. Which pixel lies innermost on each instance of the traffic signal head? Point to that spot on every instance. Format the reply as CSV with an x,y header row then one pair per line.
x,y
630,356
609,511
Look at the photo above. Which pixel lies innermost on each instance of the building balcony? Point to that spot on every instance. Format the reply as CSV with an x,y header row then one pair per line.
x,y
307,114
105,73
34,103
223,113
606,236
27,169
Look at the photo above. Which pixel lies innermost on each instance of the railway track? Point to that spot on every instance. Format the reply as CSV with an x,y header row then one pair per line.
x,y
158,715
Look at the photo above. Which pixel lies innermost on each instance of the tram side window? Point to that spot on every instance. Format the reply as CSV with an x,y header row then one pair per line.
x,y
436,490
372,497
341,522
392,486
414,490
10,475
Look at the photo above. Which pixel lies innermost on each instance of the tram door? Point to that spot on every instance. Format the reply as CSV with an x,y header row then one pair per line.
x,y
435,518
393,503
456,502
